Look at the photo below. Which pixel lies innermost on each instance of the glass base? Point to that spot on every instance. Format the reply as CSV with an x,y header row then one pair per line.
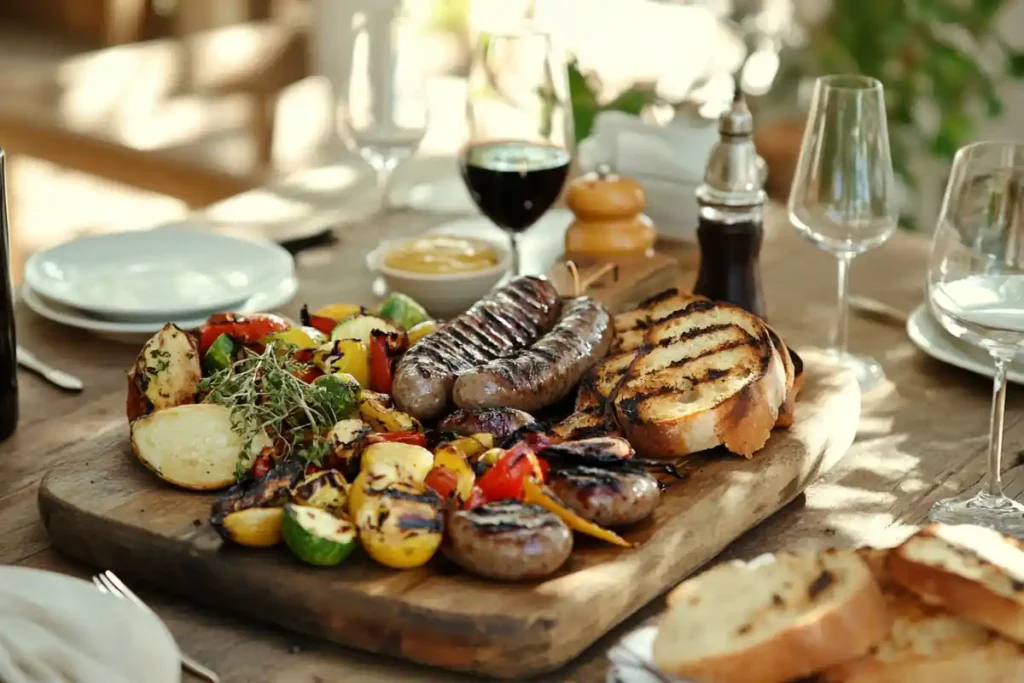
x,y
1003,514
868,371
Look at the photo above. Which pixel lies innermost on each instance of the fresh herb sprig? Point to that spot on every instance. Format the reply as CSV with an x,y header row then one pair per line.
x,y
265,397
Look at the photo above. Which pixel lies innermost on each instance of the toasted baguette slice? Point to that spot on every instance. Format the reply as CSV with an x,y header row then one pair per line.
x,y
771,621
787,411
707,376
971,571
926,643
630,329
631,325
584,424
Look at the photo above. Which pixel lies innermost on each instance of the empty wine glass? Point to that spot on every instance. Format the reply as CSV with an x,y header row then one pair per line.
x,y
843,197
386,112
976,290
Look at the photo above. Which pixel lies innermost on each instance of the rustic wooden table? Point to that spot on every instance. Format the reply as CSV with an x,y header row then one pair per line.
x,y
922,436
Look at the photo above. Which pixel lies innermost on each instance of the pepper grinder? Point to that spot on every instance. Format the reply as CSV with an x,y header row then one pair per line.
x,y
730,226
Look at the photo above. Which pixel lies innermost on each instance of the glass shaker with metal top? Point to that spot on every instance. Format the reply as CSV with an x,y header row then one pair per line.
x,y
730,227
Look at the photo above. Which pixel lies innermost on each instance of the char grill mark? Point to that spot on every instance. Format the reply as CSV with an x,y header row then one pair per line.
x,y
508,327
725,346
508,516
480,335
659,297
469,345
694,333
591,479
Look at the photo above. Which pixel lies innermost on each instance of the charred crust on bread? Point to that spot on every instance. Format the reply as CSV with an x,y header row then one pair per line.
x,y
659,297
820,584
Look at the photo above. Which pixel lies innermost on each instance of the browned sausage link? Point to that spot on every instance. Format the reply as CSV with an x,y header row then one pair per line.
x,y
507,540
606,497
498,422
510,318
548,370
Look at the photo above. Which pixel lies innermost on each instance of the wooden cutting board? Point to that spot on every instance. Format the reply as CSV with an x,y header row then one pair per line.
x,y
103,508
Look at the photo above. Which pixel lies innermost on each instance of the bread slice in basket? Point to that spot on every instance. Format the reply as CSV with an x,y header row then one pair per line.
x,y
926,643
971,571
771,621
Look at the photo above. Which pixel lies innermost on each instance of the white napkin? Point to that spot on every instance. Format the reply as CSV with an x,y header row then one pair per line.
x,y
56,629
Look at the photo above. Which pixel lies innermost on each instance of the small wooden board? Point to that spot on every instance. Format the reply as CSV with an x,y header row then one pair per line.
x,y
102,507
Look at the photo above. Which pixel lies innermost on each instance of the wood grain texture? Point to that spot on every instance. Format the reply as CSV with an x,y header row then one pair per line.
x,y
101,507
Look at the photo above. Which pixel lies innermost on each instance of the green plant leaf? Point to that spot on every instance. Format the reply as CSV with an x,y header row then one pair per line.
x,y
584,101
632,101
1015,63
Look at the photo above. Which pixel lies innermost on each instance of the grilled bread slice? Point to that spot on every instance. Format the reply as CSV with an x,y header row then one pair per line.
x,y
927,643
709,375
631,325
771,621
630,329
787,411
971,571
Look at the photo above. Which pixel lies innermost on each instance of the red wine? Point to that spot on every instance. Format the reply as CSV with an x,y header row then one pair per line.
x,y
512,182
729,263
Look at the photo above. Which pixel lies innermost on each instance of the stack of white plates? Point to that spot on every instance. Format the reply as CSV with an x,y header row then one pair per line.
x,y
133,283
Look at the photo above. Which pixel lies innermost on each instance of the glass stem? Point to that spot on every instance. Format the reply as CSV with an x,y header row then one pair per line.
x,y
843,282
995,433
383,180
514,240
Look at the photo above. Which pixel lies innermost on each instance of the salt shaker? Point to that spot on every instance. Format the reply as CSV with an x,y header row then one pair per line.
x,y
730,226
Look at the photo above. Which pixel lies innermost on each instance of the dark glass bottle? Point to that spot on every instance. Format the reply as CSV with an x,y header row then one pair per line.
x,y
8,344
730,228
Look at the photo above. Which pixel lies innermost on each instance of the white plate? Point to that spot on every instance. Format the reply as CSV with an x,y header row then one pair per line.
x,y
176,271
631,660
261,302
66,623
928,335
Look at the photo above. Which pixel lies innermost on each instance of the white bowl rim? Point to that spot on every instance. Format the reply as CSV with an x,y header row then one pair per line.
x,y
375,262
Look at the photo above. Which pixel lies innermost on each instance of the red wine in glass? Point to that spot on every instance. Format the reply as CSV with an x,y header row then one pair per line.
x,y
514,182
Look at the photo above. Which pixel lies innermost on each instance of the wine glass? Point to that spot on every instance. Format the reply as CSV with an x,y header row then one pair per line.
x,y
386,112
516,159
976,290
843,197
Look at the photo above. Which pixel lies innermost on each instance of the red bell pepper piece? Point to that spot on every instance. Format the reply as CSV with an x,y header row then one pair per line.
x,y
262,465
545,467
313,469
380,362
320,322
410,437
308,373
442,480
475,500
504,481
243,329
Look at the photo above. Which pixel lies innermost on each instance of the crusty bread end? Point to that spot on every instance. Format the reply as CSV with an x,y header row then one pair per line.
x,y
969,570
928,644
774,621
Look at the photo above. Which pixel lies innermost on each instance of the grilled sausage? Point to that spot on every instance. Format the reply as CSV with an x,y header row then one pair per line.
x,y
510,318
606,497
544,373
507,540
500,423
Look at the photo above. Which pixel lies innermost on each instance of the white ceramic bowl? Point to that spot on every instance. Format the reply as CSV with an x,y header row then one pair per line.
x,y
442,295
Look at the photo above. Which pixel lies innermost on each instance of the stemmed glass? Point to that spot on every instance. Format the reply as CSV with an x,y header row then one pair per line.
x,y
976,290
516,159
843,197
386,112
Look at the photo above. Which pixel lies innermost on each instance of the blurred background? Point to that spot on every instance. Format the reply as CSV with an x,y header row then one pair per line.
x,y
121,114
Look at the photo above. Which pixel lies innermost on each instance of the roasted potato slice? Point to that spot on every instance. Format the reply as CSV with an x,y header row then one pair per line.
x,y
192,446
166,373
400,526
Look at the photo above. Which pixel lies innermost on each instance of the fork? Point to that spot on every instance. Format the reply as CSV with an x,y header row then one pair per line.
x,y
107,582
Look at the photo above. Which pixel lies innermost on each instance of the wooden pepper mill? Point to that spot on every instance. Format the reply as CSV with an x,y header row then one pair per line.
x,y
610,224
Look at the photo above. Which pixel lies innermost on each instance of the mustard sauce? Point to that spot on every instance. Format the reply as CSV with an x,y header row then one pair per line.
x,y
441,255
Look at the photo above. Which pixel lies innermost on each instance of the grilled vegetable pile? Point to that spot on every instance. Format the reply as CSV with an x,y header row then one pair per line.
x,y
297,423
